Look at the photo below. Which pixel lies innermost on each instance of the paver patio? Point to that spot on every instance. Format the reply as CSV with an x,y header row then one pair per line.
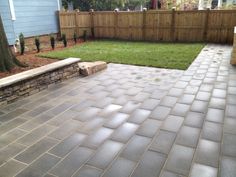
x,y
128,121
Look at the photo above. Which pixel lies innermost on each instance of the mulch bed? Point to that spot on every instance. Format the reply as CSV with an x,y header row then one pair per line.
x,y
33,61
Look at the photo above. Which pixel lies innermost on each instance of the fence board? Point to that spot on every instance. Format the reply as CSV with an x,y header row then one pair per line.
x,y
183,26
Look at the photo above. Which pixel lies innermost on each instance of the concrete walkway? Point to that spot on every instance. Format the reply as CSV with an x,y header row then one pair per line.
x,y
128,121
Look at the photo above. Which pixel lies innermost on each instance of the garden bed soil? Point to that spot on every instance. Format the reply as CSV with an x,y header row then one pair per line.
x,y
33,61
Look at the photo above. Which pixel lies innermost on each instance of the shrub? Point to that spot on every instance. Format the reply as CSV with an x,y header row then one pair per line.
x,y
75,37
22,43
37,43
64,40
52,41
85,36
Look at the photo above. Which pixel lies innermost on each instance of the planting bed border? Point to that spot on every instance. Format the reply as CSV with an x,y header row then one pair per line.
x,y
35,80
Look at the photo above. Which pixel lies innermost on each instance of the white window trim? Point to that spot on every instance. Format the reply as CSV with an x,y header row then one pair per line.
x,y
12,9
58,5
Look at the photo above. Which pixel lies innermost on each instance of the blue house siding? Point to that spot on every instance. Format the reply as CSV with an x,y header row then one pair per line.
x,y
7,21
33,18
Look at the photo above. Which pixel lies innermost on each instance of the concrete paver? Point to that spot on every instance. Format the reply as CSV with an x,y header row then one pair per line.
x,y
127,121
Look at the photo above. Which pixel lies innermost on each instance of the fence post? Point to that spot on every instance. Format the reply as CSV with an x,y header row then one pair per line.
x,y
60,23
92,23
233,59
206,25
76,23
115,23
144,24
172,31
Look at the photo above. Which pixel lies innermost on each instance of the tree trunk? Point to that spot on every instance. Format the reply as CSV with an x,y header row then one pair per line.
x,y
7,59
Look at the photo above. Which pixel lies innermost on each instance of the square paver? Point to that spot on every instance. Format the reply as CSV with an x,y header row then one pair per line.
x,y
215,115
179,160
176,92
194,119
105,154
232,90
141,96
228,166
203,96
98,137
109,110
206,87
180,110
172,123
217,103
199,106
87,171
116,120
231,111
150,104
200,170
168,101
149,128
150,165
124,132
138,116
158,94
231,99
130,106
212,131
87,114
121,168
163,142
229,145
219,93
169,174
160,112
186,99
229,126
208,153
188,136
135,148
191,90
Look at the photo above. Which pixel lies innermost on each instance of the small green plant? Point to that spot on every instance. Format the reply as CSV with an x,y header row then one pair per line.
x,y
37,43
52,41
64,40
22,43
75,37
85,36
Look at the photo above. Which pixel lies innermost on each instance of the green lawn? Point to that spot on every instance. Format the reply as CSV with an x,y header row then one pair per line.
x,y
162,55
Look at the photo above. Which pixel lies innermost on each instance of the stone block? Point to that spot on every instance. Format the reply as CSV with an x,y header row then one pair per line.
x,y
89,68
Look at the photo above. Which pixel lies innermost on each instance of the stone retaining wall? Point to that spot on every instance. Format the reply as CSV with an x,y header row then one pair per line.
x,y
233,59
35,80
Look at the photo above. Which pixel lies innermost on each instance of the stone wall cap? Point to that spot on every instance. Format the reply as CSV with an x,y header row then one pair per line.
x,y
37,71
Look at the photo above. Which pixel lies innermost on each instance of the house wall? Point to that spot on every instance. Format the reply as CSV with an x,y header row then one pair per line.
x,y
33,18
7,20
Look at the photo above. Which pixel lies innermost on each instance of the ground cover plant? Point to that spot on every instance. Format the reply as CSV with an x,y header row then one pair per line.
x,y
162,55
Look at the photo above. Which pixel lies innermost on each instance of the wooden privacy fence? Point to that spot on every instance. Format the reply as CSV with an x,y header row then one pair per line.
x,y
215,26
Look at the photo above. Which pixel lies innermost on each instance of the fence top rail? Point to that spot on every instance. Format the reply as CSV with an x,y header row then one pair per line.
x,y
149,11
